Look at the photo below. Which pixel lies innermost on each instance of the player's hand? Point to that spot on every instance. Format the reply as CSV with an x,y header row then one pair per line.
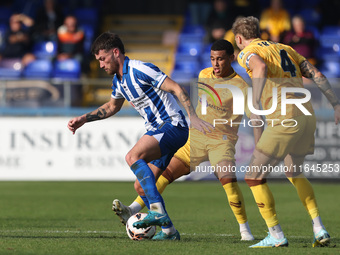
x,y
256,120
201,125
75,123
337,114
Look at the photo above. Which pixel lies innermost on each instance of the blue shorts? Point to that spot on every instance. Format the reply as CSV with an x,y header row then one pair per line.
x,y
170,139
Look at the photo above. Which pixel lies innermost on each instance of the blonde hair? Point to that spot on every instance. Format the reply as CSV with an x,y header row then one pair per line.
x,y
248,27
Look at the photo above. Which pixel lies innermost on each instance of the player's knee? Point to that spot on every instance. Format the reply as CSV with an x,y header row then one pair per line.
x,y
255,182
130,158
225,181
139,188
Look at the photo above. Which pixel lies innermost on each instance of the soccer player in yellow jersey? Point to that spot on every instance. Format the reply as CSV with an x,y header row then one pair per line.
x,y
273,65
218,146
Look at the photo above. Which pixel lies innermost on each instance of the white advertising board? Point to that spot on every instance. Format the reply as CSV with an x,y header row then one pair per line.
x,y
38,148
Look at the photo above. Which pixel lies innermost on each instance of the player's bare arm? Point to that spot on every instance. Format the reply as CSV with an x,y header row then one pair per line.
x,y
310,71
106,110
257,133
182,95
259,71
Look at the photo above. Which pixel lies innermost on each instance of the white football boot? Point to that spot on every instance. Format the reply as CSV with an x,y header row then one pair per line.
x,y
122,211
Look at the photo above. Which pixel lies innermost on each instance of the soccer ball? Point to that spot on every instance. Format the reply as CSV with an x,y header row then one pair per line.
x,y
139,233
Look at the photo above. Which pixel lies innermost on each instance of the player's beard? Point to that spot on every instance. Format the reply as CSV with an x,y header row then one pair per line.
x,y
114,68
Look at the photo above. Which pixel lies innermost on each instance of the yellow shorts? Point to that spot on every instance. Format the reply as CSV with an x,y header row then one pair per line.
x,y
203,148
183,154
278,141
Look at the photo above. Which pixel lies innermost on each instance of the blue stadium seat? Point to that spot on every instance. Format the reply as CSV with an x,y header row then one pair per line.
x,y
86,16
45,50
10,69
329,53
190,48
67,69
187,64
331,30
5,13
194,30
205,60
181,76
3,30
310,15
40,68
89,34
329,41
314,30
331,69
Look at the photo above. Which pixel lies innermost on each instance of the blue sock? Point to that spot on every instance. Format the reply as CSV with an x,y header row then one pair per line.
x,y
147,180
170,224
146,201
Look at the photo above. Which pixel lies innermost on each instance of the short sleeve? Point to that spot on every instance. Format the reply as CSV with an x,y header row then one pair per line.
x,y
148,73
115,92
244,58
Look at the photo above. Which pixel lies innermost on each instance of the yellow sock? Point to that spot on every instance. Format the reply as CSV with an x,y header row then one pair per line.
x,y
236,201
266,204
161,184
306,194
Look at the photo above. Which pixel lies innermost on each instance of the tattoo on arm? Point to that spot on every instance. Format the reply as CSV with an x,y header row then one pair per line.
x,y
309,71
100,114
185,101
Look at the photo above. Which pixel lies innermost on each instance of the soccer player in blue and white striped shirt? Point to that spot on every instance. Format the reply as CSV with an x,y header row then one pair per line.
x,y
149,91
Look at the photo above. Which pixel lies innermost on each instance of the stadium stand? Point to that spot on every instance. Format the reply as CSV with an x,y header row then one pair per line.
x,y
45,50
38,69
10,69
67,69
176,43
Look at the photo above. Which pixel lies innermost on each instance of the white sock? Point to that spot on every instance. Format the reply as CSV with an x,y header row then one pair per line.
x,y
169,231
317,224
135,207
276,232
245,227
157,207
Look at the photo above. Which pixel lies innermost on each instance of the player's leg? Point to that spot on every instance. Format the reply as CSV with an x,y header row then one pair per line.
x,y
294,162
275,143
235,197
169,232
176,169
124,212
158,146
307,197
178,166
256,180
226,173
146,150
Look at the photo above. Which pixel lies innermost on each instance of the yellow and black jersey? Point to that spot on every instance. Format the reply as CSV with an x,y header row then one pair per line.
x,y
220,102
283,70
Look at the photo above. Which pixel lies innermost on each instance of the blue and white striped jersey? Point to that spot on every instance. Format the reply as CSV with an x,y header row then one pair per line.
x,y
140,85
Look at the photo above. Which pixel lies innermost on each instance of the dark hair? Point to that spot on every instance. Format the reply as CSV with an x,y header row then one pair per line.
x,y
107,41
223,45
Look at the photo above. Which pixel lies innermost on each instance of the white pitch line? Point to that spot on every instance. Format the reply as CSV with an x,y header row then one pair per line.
x,y
118,232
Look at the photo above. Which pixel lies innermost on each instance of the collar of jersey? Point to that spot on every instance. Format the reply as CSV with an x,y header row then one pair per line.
x,y
126,64
255,40
228,77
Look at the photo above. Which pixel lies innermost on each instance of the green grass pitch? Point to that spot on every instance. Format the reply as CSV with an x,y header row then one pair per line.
x,y
76,218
